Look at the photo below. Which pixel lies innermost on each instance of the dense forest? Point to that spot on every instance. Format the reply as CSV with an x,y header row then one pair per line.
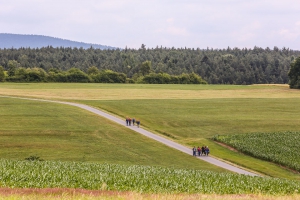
x,y
216,66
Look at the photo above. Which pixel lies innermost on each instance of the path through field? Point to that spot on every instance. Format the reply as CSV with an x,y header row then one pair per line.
x,y
150,135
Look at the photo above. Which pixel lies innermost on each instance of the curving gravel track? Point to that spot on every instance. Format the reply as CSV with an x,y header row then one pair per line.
x,y
150,135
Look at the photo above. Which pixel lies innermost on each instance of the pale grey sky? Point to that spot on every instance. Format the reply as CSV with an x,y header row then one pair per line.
x,y
167,23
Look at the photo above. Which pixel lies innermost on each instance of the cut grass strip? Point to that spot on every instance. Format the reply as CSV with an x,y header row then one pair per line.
x,y
94,91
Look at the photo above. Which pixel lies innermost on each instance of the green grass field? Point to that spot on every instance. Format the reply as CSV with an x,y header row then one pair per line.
x,y
203,118
192,122
60,132
90,91
188,114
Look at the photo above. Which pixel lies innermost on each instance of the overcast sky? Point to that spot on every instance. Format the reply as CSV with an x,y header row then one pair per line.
x,y
167,23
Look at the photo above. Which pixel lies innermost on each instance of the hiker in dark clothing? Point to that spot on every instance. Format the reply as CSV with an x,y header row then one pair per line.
x,y
138,123
127,121
194,151
133,121
203,150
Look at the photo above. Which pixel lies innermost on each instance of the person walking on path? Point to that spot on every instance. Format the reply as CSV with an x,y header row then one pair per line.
x,y
203,150
206,151
127,121
194,151
138,123
133,121
199,151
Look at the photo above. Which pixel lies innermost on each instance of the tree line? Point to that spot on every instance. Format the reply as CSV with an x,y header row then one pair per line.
x,y
93,75
155,65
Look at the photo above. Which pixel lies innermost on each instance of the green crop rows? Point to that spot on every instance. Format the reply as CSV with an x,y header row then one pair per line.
x,y
50,174
279,147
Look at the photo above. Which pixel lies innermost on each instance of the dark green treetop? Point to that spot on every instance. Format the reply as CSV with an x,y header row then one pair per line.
x,y
294,74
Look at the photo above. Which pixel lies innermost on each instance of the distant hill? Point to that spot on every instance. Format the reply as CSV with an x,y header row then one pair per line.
x,y
16,41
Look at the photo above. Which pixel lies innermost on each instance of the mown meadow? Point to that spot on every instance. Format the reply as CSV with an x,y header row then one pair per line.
x,y
66,133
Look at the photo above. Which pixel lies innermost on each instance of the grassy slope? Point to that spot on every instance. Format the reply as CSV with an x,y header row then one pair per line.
x,y
190,113
196,120
59,132
203,118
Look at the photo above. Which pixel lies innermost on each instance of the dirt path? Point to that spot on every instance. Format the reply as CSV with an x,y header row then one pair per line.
x,y
150,135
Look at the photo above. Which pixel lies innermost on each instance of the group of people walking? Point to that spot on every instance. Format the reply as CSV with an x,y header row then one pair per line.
x,y
133,121
204,150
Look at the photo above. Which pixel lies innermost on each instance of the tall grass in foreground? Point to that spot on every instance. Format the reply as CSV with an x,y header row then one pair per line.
x,y
46,174
279,147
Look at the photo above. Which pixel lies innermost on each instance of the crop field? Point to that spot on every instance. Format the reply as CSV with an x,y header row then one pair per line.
x,y
278,147
144,179
60,132
188,114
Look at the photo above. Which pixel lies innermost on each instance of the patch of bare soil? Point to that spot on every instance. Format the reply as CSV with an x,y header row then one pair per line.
x,y
57,191
68,193
227,146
